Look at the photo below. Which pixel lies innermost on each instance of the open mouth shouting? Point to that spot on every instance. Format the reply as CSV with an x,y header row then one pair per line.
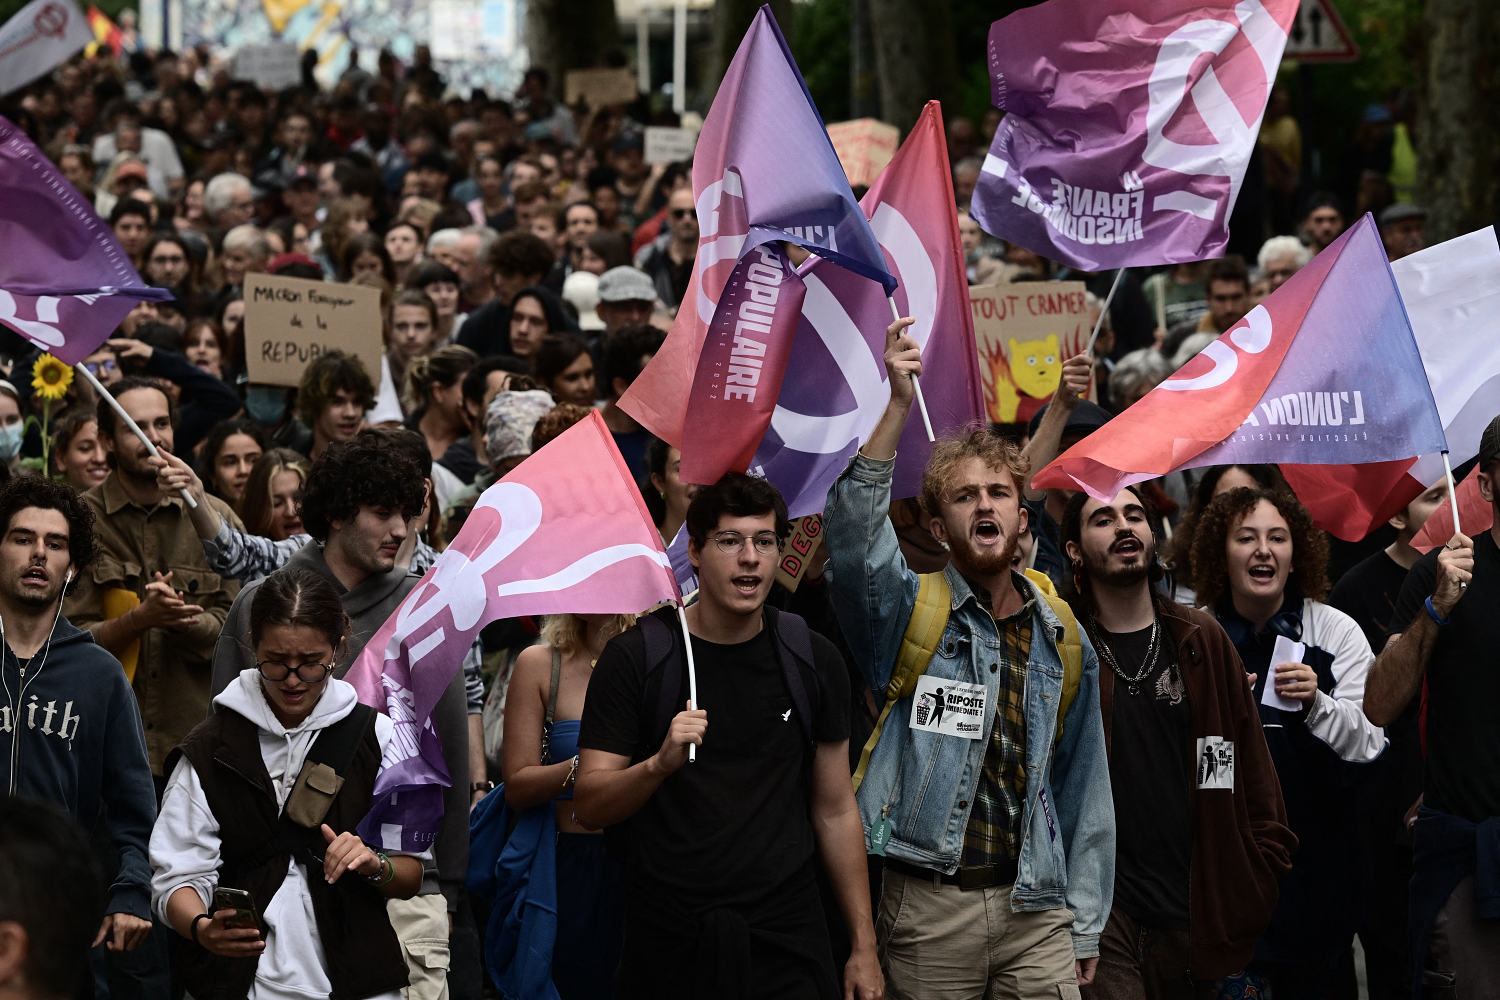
x,y
35,576
1127,546
1262,573
747,584
987,531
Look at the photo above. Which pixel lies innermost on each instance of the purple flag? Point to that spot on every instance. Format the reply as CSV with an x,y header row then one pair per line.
x,y
65,281
835,386
765,171
1127,131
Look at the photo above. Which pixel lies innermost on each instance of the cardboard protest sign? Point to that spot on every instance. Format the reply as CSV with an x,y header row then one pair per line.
x,y
865,146
599,87
271,66
1024,333
798,550
291,322
669,145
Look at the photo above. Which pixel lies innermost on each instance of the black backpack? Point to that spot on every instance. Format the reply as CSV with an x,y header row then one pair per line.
x,y
791,638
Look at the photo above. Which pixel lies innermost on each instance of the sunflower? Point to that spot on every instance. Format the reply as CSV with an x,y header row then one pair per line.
x,y
50,377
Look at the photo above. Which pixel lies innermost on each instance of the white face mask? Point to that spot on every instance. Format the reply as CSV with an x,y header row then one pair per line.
x,y
10,440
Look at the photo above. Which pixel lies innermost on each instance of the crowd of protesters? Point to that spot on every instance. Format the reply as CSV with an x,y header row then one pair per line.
x,y
1134,813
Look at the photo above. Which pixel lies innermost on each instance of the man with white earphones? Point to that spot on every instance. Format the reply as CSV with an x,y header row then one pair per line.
x,y
70,731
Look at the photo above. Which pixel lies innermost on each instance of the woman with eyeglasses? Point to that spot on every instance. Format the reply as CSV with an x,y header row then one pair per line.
x,y
1259,566
256,865
539,762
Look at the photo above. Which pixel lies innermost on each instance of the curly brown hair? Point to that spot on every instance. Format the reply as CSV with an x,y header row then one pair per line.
x,y
1211,539
995,451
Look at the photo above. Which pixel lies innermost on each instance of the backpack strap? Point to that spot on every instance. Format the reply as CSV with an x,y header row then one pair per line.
x,y
661,646
1071,651
552,687
924,633
336,745
793,641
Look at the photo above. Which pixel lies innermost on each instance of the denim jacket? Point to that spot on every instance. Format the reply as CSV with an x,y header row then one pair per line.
x,y
922,782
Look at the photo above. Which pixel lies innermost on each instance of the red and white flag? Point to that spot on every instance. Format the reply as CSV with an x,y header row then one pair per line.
x,y
566,531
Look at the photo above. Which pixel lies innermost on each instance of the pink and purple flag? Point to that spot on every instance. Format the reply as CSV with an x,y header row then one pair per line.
x,y
65,281
766,172
835,387
1128,126
1453,286
1324,371
566,531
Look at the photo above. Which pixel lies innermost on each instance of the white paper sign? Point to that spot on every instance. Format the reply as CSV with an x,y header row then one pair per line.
x,y
1215,762
951,708
669,145
271,66
1285,651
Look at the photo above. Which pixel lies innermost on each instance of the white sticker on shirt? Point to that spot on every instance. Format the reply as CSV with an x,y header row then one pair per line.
x,y
1215,762
951,708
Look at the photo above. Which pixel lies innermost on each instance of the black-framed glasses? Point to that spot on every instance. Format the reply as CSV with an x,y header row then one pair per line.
x,y
307,673
731,542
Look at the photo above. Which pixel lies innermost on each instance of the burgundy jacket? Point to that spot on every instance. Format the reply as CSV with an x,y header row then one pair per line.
x,y
1241,842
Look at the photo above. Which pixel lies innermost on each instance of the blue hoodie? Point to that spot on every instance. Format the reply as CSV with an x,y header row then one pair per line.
x,y
70,733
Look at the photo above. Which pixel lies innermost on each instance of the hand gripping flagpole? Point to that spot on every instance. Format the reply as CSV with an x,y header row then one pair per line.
x,y
687,644
1104,311
135,428
916,384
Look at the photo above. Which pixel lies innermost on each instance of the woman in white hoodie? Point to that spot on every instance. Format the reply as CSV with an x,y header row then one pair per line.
x,y
264,797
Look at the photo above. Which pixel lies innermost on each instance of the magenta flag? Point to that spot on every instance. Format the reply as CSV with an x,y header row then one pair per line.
x,y
65,281
765,172
835,387
1324,371
1128,126
566,531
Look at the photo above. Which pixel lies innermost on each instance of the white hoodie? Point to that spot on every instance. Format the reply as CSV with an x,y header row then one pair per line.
x,y
185,841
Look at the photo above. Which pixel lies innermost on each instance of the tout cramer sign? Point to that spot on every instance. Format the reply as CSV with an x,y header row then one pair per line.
x,y
1128,133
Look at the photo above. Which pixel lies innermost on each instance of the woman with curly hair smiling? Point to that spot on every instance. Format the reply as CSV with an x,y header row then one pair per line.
x,y
1259,566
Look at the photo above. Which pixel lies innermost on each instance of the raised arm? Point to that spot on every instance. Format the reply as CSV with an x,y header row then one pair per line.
x,y
1397,674
1047,442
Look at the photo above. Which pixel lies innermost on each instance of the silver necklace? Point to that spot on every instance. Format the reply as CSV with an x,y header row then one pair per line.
x,y
1148,662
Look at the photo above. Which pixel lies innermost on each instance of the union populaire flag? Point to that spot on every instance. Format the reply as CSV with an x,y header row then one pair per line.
x,y
1324,371
765,172
835,387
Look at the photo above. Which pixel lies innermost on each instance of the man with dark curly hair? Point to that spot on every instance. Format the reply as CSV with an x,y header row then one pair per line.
x,y
1202,834
70,731
356,504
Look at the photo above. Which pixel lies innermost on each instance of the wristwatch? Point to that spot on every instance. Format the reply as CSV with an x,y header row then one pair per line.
x,y
481,786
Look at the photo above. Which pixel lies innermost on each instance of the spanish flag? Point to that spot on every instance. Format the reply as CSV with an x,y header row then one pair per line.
x,y
106,32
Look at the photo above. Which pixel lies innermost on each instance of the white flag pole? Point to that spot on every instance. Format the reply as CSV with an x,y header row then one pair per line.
x,y
916,383
1452,490
687,644
134,427
1104,311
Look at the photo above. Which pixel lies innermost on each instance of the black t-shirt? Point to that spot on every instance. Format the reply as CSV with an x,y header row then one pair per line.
x,y
1463,686
1367,593
1151,770
731,827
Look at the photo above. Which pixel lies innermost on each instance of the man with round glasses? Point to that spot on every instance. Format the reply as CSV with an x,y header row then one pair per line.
x,y
720,881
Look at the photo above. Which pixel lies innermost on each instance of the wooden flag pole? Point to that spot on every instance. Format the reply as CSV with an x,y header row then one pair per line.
x,y
135,428
1104,311
916,383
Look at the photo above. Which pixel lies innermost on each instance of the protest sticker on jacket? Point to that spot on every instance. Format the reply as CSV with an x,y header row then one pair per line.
x,y
947,707
1024,332
291,322
1215,763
